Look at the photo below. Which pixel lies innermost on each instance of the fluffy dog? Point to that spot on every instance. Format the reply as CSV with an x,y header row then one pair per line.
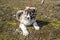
x,y
27,17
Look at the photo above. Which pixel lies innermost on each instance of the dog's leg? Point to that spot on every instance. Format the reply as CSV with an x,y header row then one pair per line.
x,y
24,29
36,26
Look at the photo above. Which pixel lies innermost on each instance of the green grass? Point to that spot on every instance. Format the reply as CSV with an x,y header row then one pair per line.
x,y
48,16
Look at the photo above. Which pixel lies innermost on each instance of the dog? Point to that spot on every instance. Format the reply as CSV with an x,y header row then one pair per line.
x,y
27,17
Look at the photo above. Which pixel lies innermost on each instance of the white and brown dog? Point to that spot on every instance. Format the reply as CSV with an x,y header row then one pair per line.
x,y
27,17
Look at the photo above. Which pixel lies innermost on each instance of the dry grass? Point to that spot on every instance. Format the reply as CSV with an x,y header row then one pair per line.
x,y
48,16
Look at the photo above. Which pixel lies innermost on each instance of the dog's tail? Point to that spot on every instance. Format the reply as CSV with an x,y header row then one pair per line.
x,y
18,14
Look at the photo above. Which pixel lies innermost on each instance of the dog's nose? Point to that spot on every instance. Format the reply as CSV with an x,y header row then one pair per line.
x,y
28,18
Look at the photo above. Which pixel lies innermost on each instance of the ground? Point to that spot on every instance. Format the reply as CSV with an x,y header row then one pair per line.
x,y
48,18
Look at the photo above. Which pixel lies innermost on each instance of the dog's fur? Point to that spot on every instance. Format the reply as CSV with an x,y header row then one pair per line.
x,y
27,17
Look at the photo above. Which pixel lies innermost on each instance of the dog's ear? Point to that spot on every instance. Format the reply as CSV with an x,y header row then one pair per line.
x,y
19,13
33,9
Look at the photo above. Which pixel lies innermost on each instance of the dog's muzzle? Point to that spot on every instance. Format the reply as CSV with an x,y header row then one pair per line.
x,y
28,17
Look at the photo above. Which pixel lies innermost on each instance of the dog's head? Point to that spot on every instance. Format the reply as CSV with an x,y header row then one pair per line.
x,y
29,13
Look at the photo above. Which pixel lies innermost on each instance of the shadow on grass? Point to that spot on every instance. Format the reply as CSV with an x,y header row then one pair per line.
x,y
42,23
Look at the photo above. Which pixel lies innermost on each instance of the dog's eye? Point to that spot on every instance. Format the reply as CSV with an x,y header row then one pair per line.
x,y
33,14
33,11
30,12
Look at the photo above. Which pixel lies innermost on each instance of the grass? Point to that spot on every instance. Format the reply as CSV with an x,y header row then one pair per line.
x,y
48,18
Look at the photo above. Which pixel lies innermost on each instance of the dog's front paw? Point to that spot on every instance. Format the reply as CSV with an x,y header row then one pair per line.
x,y
37,28
25,33
18,31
